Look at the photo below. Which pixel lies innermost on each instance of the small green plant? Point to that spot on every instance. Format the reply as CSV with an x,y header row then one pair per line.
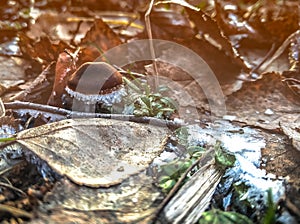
x,y
143,101
216,216
172,171
182,135
223,158
240,199
270,214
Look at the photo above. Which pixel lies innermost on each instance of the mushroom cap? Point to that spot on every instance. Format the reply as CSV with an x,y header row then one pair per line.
x,y
96,82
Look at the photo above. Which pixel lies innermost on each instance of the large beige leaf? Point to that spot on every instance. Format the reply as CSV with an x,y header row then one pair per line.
x,y
95,152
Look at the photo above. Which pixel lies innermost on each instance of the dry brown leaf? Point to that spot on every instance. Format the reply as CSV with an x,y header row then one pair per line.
x,y
98,39
170,25
102,36
12,73
44,49
264,103
292,130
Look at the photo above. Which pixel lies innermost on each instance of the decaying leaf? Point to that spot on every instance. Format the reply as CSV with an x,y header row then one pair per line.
x,y
65,66
95,152
133,201
170,25
292,130
101,36
98,39
12,73
265,103
44,49
63,26
212,34
35,89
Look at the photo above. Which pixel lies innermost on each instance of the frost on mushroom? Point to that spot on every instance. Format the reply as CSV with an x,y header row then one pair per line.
x,y
96,83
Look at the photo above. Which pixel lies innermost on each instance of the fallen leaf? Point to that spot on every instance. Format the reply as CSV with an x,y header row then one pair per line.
x,y
170,25
264,103
95,152
211,34
132,201
36,90
65,66
12,73
63,26
43,50
292,130
99,39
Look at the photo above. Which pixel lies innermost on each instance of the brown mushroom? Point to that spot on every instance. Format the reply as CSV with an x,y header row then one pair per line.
x,y
95,83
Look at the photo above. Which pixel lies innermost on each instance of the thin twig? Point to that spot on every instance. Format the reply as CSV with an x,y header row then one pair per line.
x,y
67,114
15,211
152,51
2,108
291,79
17,105
12,188
279,51
265,58
19,163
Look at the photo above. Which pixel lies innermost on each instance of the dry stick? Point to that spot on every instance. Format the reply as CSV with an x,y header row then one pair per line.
x,y
17,105
12,188
2,172
295,92
152,51
291,79
15,211
66,114
292,207
279,51
265,58
178,185
2,108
